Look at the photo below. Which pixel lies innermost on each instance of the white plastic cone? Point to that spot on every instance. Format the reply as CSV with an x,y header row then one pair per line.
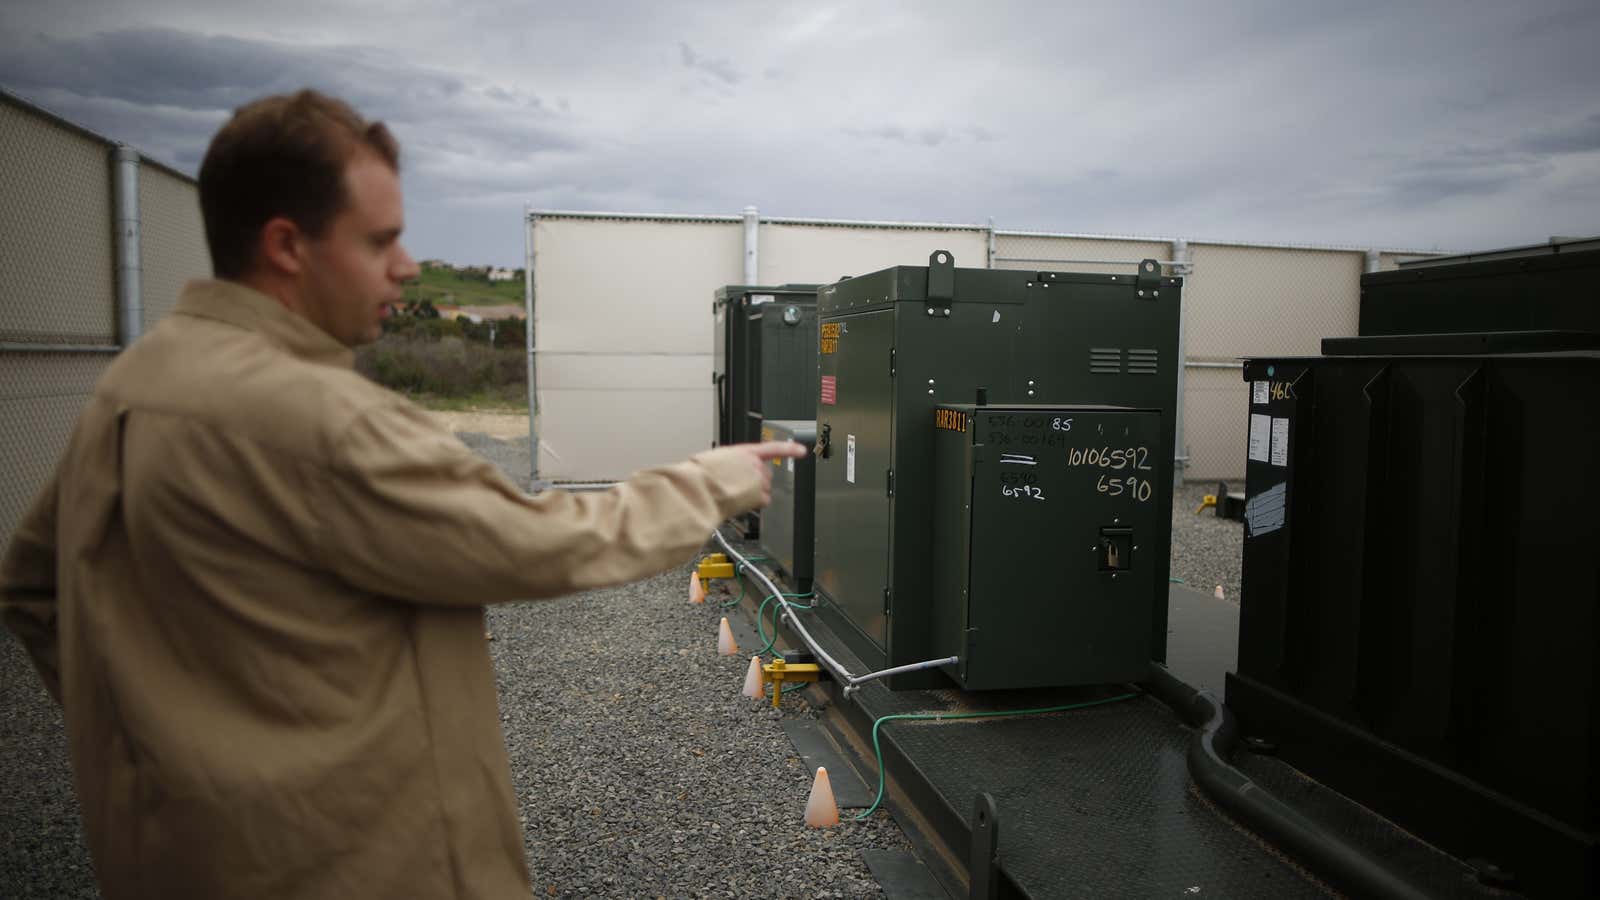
x,y
1219,594
821,811
725,644
697,591
752,680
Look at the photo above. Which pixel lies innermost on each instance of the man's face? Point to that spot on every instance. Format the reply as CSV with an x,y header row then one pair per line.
x,y
356,267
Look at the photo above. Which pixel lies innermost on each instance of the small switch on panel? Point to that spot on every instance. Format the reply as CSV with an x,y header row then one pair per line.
x,y
1116,549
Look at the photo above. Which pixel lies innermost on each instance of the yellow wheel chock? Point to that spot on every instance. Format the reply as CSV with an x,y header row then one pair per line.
x,y
777,672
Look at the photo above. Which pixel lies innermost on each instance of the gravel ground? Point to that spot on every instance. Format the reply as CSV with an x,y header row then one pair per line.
x,y
510,456
1206,550
42,854
639,769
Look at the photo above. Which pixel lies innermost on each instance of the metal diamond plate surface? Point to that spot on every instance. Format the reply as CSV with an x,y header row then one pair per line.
x,y
1097,803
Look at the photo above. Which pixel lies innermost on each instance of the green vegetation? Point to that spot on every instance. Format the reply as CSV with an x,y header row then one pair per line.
x,y
444,285
451,364
447,372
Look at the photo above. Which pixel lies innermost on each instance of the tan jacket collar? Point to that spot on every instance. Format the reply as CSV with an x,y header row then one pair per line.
x,y
247,308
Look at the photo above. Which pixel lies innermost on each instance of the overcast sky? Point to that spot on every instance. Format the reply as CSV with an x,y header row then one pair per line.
x,y
1456,125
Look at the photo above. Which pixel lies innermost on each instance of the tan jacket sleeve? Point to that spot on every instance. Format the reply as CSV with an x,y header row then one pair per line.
x,y
410,512
28,587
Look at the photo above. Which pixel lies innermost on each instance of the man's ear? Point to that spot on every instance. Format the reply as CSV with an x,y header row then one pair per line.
x,y
282,246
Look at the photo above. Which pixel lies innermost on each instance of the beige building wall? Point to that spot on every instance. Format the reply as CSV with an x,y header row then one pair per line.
x,y
623,323
1253,301
624,328
822,254
1268,301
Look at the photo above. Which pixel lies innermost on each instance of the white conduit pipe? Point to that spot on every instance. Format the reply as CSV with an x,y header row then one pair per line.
x,y
852,683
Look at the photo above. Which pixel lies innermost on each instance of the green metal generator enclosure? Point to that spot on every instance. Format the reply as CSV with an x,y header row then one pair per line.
x,y
1045,537
898,342
764,351
786,523
763,357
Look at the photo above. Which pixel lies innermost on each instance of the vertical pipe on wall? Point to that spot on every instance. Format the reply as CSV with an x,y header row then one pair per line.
x,y
530,219
752,259
1374,261
990,263
1180,451
130,302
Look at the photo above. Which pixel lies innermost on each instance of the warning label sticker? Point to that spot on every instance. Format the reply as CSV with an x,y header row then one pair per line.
x,y
1258,393
830,390
1260,437
1280,442
829,340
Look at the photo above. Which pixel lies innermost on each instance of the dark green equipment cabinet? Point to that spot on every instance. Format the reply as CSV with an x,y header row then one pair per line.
x,y
1419,627
763,357
1045,536
896,343
786,523
1420,618
763,362
1545,287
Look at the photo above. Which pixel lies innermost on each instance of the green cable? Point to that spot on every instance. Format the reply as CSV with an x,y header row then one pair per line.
x,y
878,749
738,570
1176,580
761,628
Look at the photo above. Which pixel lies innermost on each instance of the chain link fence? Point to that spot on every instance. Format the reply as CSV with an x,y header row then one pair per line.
x,y
41,395
56,260
172,240
1043,252
58,281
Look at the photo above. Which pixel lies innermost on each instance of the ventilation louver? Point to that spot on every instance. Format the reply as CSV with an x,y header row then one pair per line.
x,y
1142,362
1105,361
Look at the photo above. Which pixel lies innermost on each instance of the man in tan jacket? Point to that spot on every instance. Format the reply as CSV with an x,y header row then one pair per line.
x,y
267,691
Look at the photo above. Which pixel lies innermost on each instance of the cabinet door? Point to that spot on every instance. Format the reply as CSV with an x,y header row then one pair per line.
x,y
852,513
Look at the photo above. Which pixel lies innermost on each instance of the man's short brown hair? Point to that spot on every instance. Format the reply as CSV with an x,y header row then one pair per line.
x,y
281,156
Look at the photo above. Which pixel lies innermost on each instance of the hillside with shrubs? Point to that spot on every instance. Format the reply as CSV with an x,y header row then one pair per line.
x,y
448,361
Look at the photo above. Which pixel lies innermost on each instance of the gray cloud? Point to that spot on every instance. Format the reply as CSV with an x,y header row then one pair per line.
x,y
150,86
1484,170
1426,187
720,69
927,136
1580,137
921,137
1455,123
